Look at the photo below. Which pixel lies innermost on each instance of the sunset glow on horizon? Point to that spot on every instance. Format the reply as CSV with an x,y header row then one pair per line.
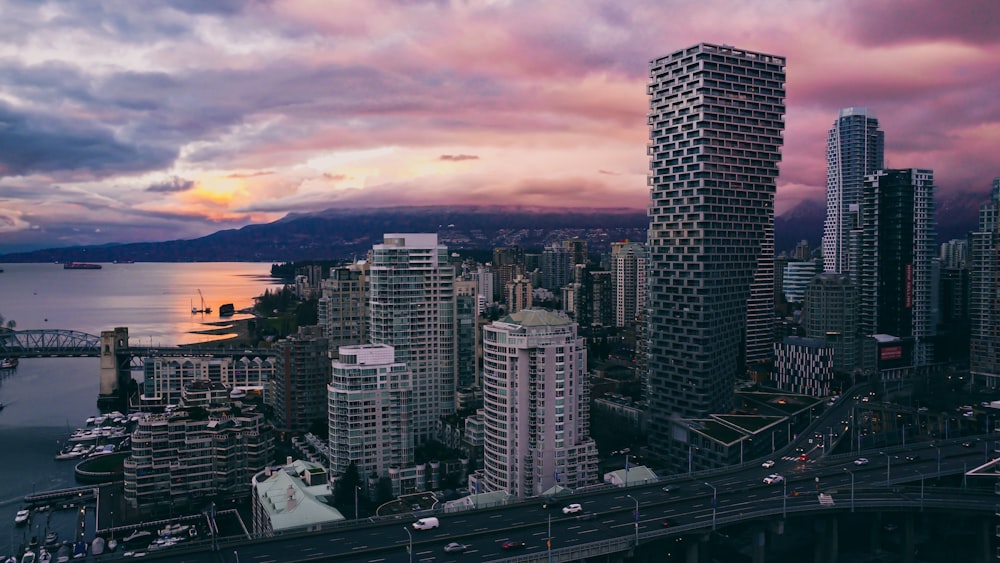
x,y
147,121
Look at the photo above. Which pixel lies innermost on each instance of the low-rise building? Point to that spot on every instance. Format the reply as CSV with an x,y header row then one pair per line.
x,y
294,497
192,453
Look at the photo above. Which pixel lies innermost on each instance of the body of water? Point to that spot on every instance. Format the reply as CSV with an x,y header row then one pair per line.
x,y
47,398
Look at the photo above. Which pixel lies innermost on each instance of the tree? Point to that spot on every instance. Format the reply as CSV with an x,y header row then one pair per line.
x,y
383,490
344,492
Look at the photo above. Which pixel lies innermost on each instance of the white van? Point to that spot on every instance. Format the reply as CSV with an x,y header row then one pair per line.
x,y
426,524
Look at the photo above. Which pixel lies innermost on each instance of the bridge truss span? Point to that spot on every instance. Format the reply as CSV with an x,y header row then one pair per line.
x,y
45,343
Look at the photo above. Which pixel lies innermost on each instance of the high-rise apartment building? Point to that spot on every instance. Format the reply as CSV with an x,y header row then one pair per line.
x,y
716,122
508,263
412,308
628,266
518,293
536,405
467,307
984,302
897,248
343,306
368,400
795,277
831,313
301,373
557,267
855,148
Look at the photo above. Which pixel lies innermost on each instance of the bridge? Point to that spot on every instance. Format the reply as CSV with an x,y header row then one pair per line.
x,y
48,343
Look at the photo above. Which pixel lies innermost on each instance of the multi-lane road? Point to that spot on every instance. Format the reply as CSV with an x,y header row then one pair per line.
x,y
676,507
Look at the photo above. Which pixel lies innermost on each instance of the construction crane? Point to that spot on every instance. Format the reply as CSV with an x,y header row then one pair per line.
x,y
203,309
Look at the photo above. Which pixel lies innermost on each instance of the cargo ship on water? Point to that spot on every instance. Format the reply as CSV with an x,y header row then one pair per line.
x,y
81,266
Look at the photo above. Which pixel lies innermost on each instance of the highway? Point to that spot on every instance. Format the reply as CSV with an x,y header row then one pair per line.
x,y
677,507
609,514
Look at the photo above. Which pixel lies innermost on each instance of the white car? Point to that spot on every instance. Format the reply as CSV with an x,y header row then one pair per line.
x,y
773,479
455,547
861,461
572,508
768,464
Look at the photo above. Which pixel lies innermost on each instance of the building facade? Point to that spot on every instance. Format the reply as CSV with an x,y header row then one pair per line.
x,y
300,377
628,267
796,278
342,310
182,457
984,302
536,405
518,293
369,400
855,148
897,249
412,308
164,377
830,313
716,123
804,366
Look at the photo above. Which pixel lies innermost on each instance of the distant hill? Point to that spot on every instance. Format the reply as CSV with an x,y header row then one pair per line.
x,y
336,234
345,233
957,216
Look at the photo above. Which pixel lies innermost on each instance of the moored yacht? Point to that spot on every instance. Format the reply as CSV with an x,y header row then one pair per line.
x,y
21,517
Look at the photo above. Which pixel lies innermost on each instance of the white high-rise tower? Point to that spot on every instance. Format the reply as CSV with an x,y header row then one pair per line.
x,y
855,147
412,308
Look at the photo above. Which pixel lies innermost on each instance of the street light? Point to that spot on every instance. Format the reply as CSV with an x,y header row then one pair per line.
x,y
236,554
921,489
715,503
938,448
356,488
852,487
548,540
636,514
784,498
409,546
888,467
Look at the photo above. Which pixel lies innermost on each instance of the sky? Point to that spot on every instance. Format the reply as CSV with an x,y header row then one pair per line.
x,y
153,120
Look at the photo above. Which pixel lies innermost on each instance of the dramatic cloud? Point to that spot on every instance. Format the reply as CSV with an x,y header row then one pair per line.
x,y
172,185
154,120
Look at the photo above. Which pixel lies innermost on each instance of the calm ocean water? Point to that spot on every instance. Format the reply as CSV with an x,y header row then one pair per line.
x,y
47,398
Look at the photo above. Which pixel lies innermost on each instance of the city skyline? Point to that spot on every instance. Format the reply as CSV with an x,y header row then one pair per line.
x,y
128,123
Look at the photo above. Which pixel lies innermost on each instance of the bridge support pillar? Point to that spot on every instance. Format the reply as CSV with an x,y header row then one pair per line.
x,y
115,373
827,538
908,538
986,530
759,545
699,550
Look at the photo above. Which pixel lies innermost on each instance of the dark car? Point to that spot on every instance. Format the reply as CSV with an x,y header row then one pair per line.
x,y
912,457
666,523
513,544
551,503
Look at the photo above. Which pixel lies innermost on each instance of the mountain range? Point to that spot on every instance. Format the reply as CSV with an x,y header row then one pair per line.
x,y
346,233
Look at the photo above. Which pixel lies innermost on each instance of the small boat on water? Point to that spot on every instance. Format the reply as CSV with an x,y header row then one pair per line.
x,y
112,544
51,538
138,537
21,517
81,266
8,363
226,310
62,556
79,549
44,556
28,557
